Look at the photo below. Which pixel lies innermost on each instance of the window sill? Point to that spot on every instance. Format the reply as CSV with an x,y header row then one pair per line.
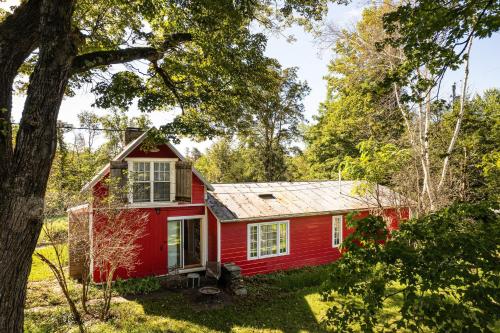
x,y
160,204
269,256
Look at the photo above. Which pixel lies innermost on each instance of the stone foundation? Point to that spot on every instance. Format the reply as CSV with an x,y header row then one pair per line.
x,y
231,275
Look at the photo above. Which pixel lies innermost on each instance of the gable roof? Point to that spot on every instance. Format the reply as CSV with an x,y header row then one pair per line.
x,y
126,151
254,201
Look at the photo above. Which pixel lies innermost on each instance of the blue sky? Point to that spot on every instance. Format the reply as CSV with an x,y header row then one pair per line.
x,y
312,61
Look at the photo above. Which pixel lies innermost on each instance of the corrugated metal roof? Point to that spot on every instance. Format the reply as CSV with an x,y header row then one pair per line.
x,y
230,202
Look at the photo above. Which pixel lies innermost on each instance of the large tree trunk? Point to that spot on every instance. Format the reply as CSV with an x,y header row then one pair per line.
x,y
25,179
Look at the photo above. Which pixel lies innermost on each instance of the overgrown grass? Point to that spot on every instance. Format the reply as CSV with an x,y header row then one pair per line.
x,y
39,270
293,279
137,286
281,302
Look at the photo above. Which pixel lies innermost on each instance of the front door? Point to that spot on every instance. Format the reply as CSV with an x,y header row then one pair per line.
x,y
184,243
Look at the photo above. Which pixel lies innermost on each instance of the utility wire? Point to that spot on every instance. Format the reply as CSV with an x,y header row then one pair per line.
x,y
86,128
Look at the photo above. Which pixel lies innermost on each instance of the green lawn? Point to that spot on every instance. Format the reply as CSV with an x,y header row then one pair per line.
x,y
40,271
283,302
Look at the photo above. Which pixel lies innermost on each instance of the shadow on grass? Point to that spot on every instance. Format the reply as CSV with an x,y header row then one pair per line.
x,y
287,312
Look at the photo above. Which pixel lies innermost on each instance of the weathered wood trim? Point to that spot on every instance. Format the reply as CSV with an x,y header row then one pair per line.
x,y
184,181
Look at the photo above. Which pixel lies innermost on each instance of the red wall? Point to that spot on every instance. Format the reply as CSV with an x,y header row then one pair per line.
x,y
163,152
153,256
153,253
197,191
310,244
212,236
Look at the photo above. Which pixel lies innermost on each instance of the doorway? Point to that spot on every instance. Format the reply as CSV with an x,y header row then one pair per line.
x,y
184,243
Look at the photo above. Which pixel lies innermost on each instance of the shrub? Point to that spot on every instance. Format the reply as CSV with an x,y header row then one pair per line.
x,y
445,266
137,286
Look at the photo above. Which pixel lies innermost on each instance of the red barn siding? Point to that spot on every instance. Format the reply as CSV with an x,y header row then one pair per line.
x,y
197,191
153,253
212,236
163,152
310,244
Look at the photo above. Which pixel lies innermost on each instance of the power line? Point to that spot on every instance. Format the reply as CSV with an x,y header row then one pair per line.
x,y
85,128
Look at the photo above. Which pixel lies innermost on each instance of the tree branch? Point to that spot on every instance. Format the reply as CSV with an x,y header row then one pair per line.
x,y
85,62
169,83
460,117
19,34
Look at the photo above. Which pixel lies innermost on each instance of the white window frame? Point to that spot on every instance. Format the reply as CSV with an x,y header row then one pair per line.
x,y
151,162
278,254
341,231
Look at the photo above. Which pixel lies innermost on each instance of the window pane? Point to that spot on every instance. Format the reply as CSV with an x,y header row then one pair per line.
x,y
337,229
253,241
268,239
161,191
161,171
141,192
283,238
140,171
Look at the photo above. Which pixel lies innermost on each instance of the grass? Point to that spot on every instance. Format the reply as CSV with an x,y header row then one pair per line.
x,y
281,302
57,224
39,270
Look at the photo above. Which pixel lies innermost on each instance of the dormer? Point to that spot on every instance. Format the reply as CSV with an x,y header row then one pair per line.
x,y
154,177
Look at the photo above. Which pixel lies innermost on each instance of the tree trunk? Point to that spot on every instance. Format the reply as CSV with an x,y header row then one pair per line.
x,y
460,117
25,178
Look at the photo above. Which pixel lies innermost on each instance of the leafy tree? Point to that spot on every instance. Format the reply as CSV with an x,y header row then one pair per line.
x,y
377,165
117,122
435,36
358,107
443,268
224,162
201,56
474,164
277,114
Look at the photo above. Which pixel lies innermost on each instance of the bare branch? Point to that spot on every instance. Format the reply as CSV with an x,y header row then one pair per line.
x,y
458,124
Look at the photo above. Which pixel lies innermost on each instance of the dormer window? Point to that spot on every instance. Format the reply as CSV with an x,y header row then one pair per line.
x,y
152,180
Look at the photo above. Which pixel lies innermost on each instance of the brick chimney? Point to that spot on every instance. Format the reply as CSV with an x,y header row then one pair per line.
x,y
132,133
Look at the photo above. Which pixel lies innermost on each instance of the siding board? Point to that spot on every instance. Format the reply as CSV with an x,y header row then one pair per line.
x,y
310,244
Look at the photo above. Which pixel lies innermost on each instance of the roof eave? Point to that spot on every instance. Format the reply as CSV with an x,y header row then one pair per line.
x,y
126,151
287,216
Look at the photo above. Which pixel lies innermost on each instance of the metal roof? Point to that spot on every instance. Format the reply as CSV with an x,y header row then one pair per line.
x,y
236,202
126,151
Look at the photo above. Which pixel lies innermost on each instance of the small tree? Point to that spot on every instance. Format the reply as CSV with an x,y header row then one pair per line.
x,y
116,231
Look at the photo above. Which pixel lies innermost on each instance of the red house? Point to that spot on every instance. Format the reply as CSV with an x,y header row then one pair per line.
x,y
261,227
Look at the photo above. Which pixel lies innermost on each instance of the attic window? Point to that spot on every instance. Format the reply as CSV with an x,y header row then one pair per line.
x,y
267,196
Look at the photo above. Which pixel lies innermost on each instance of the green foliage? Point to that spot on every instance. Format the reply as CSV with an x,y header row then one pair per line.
x,y
445,266
475,161
357,107
224,162
277,111
58,225
137,286
209,76
434,34
376,164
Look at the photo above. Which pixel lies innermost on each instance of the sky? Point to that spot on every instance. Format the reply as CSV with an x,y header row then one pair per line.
x,y
312,60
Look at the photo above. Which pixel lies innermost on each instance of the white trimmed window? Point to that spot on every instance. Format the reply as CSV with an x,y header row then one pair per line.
x,y
268,239
152,181
336,230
